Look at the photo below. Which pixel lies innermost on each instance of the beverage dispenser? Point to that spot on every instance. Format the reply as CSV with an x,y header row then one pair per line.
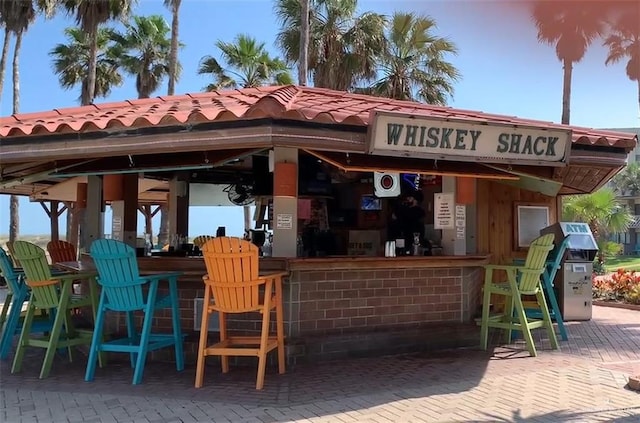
x,y
573,281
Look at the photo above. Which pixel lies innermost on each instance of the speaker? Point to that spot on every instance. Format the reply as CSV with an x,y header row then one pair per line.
x,y
386,184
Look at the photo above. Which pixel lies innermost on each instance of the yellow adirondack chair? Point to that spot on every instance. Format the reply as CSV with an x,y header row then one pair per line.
x,y
521,280
232,286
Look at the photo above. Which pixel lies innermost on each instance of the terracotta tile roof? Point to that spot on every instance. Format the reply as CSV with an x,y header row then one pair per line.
x,y
283,102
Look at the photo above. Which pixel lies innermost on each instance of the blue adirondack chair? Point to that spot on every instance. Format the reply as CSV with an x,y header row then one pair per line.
x,y
18,295
553,265
121,283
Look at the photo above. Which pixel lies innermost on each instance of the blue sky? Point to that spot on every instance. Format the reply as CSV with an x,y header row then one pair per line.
x,y
504,71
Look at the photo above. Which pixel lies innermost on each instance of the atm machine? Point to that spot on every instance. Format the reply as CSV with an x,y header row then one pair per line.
x,y
573,282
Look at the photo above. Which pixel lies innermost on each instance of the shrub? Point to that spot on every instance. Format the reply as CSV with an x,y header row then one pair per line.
x,y
620,286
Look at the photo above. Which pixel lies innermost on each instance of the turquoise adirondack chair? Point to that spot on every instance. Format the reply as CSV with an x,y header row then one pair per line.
x,y
553,264
51,293
17,296
521,280
121,283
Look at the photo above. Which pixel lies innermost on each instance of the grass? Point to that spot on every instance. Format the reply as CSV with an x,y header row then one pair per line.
x,y
630,263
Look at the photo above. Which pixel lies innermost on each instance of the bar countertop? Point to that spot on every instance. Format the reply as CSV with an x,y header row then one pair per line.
x,y
194,268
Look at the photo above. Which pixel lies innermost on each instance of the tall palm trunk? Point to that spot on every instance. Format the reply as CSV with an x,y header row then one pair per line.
x,y
303,62
88,95
14,204
566,91
163,234
173,58
3,58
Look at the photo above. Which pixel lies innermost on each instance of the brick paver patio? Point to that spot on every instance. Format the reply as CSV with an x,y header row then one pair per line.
x,y
585,382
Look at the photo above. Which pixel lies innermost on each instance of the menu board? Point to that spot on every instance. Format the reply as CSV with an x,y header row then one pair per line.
x,y
443,211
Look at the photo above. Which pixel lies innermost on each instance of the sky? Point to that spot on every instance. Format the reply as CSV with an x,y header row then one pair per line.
x,y
504,71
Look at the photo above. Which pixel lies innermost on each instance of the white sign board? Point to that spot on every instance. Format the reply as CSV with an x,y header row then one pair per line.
x,y
394,134
443,211
284,221
461,221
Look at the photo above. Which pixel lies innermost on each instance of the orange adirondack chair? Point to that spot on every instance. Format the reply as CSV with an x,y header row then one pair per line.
x,y
61,251
232,286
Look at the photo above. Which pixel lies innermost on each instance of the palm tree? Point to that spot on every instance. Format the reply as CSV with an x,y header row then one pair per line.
x,y
624,43
343,46
627,182
5,52
412,64
571,26
602,211
71,62
145,52
16,16
174,5
89,15
303,57
248,65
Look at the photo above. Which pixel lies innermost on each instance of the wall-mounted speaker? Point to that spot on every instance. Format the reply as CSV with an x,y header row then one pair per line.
x,y
386,184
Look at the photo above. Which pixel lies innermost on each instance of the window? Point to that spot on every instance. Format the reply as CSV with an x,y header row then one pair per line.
x,y
530,219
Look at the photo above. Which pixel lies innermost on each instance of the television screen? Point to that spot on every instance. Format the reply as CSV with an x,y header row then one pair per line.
x,y
369,202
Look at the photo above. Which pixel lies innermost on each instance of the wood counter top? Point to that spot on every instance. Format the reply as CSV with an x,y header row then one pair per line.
x,y
193,268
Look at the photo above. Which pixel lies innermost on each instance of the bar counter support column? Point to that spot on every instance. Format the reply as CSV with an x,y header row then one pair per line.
x,y
285,210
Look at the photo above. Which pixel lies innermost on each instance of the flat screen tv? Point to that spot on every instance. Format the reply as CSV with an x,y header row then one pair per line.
x,y
369,202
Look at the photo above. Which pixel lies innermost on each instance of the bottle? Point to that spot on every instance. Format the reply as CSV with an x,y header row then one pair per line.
x,y
148,245
267,247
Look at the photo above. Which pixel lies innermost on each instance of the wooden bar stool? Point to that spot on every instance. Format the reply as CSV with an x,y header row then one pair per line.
x,y
232,286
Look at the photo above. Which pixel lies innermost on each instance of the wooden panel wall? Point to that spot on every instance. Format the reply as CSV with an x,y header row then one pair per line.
x,y
496,219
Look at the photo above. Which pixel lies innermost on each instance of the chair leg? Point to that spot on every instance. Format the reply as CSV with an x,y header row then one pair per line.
x,y
546,318
280,329
145,334
175,320
509,315
131,333
11,324
486,304
54,338
204,332
224,359
524,324
5,309
264,340
24,338
556,311
96,343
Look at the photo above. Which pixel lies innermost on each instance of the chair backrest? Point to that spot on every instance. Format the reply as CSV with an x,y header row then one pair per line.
x,y
38,274
200,240
61,251
535,263
232,274
12,254
118,274
555,257
9,273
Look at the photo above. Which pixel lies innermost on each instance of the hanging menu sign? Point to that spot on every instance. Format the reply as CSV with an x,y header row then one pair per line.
x,y
443,211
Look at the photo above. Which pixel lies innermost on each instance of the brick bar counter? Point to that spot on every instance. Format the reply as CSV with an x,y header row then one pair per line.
x,y
351,306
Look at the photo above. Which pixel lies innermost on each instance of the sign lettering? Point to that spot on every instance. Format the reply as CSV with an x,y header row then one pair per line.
x,y
402,135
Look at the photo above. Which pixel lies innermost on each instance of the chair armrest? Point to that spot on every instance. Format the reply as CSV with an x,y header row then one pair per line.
x,y
501,267
73,275
274,275
160,276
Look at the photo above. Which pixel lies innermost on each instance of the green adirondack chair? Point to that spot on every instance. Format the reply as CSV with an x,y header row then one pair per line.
x,y
53,293
521,280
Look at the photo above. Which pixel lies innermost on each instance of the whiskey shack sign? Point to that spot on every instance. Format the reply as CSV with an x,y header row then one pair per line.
x,y
393,134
